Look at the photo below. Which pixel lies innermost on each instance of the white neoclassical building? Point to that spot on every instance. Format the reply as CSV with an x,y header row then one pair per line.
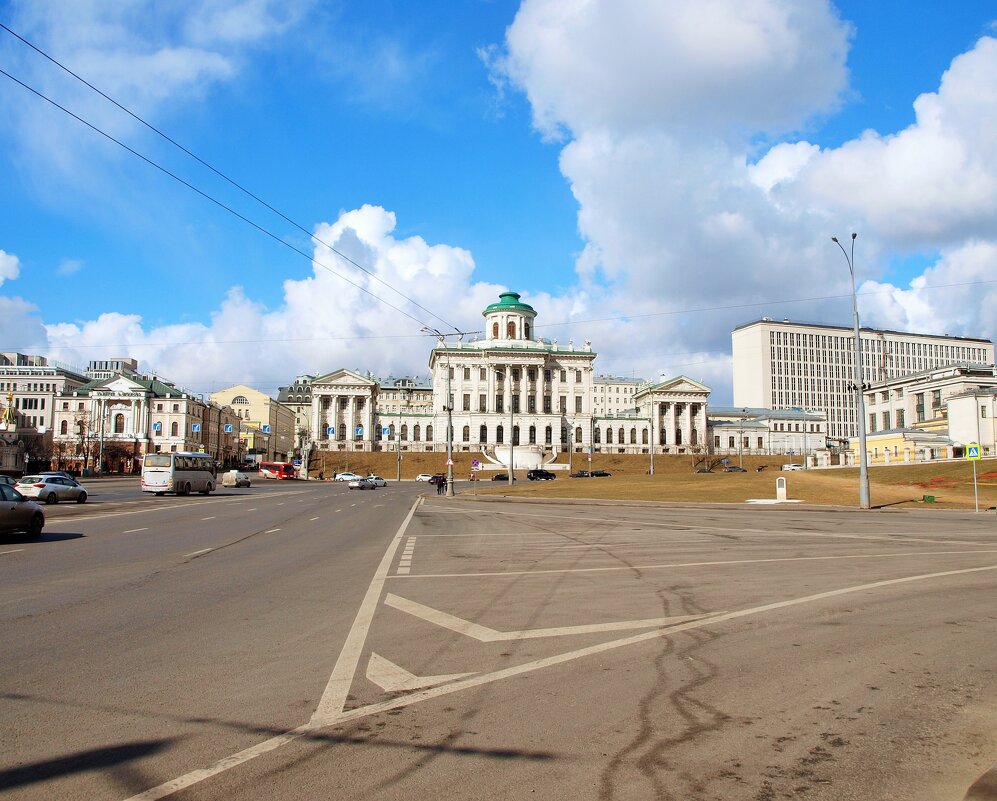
x,y
508,387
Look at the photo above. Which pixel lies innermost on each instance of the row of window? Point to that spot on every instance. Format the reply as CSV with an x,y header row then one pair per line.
x,y
27,386
531,374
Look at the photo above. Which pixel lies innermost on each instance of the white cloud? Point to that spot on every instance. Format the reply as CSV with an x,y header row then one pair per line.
x,y
10,266
69,267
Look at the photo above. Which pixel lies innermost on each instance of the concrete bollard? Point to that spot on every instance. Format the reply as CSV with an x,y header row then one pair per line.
x,y
780,489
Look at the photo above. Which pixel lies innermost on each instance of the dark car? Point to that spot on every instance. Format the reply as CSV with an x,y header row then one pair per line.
x,y
438,478
502,477
540,475
703,470
600,474
580,474
733,468
18,513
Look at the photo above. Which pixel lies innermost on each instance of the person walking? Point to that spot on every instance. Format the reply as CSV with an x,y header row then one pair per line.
x,y
440,486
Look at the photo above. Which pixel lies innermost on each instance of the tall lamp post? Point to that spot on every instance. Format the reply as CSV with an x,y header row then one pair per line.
x,y
448,408
864,501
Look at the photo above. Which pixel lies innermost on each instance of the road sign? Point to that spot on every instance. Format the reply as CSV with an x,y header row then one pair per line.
x,y
475,463
330,430
724,461
195,427
385,431
358,431
973,451
296,462
476,467
228,428
265,429
449,462
157,426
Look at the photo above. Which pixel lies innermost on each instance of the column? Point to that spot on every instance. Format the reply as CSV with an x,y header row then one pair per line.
x,y
687,424
316,405
351,422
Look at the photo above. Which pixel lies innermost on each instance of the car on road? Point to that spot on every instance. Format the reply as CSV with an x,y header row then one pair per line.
x,y
437,478
347,476
377,481
236,478
733,468
51,489
10,482
18,513
600,474
62,473
502,477
790,467
424,477
580,474
361,484
540,475
704,470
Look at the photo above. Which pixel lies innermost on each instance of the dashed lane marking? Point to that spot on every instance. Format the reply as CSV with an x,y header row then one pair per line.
x,y
208,518
134,530
16,550
312,519
271,531
198,553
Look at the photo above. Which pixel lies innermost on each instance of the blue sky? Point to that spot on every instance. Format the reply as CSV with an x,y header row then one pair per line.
x,y
670,171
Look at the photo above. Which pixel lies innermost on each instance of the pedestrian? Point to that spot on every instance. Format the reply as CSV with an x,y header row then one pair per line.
x,y
321,476
439,486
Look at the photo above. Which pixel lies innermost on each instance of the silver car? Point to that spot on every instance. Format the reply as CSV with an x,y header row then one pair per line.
x,y
52,489
17,513
10,482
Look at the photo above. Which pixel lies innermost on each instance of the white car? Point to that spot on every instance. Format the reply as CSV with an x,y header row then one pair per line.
x,y
789,467
377,481
347,477
424,477
52,489
234,478
361,484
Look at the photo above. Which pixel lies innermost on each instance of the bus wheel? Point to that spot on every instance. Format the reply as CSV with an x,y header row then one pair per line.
x,y
184,490
206,489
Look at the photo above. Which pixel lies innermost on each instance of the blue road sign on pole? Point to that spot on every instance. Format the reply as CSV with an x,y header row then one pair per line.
x,y
195,427
228,428
329,431
358,431
385,431
157,426
266,429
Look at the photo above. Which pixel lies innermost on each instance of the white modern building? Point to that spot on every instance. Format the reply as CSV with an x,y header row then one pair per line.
x,y
785,364
612,395
751,431
973,418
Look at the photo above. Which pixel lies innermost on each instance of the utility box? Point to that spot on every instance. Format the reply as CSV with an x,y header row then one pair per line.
x,y
780,489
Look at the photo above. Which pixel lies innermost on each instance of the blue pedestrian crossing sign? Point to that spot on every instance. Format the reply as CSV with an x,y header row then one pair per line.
x,y
266,429
973,451
329,431
228,428
385,431
195,427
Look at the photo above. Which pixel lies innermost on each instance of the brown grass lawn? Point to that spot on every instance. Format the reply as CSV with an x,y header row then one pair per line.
x,y
951,483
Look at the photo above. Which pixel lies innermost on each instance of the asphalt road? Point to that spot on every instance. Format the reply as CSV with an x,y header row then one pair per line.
x,y
301,641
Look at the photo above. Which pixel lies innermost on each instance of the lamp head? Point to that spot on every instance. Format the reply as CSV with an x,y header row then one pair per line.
x,y
853,236
834,239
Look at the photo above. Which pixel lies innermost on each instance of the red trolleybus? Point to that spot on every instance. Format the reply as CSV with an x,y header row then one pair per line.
x,y
277,470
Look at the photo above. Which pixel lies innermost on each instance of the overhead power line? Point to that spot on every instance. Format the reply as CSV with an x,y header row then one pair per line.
x,y
213,169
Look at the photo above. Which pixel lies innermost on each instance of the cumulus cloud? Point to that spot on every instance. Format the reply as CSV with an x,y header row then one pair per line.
x,y
10,266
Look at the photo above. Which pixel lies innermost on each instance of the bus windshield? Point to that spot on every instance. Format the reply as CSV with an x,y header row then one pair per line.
x,y
157,460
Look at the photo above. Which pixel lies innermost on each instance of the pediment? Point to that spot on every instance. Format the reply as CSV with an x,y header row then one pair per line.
x,y
118,384
343,377
681,384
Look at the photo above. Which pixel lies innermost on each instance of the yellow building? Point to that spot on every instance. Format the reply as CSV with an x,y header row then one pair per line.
x,y
266,425
903,445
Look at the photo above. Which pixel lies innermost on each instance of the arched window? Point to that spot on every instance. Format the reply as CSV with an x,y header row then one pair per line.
x,y
533,435
621,436
678,436
644,437
174,429
119,423
578,434
695,436
64,428
342,432
405,431
429,433
494,330
242,400
499,434
549,436
483,434
510,330
391,431
633,436
526,326
416,432
515,435
609,436
466,435
598,435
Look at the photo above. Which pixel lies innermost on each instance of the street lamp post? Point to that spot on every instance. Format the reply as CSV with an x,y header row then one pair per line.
x,y
448,408
650,472
864,500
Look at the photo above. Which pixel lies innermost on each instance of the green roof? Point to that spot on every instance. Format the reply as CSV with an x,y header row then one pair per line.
x,y
509,300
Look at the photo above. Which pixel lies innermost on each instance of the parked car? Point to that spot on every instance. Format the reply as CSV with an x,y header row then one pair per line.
x,y
792,467
704,470
52,489
437,478
424,477
235,478
540,475
18,513
580,474
347,477
361,484
502,477
377,481
10,482
600,474
733,468
62,473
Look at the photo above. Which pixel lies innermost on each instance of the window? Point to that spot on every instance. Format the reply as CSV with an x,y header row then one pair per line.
x,y
983,412
760,443
564,375
483,434
466,434
533,435
174,429
531,403
515,404
64,428
730,442
494,330
467,402
510,330
515,373
578,404
526,326
499,434
531,374
176,407
467,373
578,434
482,403
547,375
498,404
482,374
119,424
549,436
547,404
578,376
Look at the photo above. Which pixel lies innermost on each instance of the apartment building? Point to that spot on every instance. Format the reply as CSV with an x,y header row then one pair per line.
x,y
613,395
785,364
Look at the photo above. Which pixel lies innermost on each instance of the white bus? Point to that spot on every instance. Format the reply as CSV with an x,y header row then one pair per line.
x,y
181,473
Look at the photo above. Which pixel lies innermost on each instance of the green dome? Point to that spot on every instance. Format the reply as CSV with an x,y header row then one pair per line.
x,y
509,301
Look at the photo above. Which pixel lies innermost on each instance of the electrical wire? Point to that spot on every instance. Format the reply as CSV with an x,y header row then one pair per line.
x,y
219,203
220,174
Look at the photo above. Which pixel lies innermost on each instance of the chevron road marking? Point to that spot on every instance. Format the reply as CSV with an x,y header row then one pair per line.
x,y
392,678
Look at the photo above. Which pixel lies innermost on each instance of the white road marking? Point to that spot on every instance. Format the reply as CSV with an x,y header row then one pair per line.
x,y
339,510
208,518
198,553
699,564
334,697
403,570
485,634
271,531
312,519
251,510
133,530
393,678
222,765
16,550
